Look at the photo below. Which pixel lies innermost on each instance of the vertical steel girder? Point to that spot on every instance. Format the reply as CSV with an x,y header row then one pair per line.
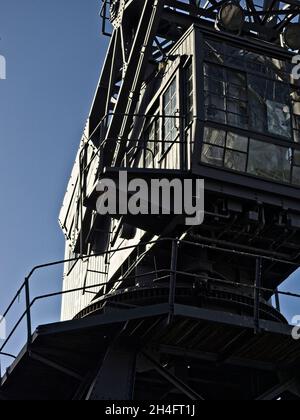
x,y
98,110
131,54
116,377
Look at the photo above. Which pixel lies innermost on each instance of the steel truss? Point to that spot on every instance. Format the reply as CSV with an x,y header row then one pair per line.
x,y
144,32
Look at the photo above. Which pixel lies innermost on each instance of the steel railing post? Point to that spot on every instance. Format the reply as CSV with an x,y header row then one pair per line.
x,y
277,300
258,276
173,280
28,310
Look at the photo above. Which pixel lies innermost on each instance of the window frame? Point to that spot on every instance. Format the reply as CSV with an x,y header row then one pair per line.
x,y
226,97
267,76
155,119
289,147
165,144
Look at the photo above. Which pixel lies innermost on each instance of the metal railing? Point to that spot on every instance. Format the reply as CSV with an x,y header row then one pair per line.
x,y
140,150
153,152
180,130
91,156
169,274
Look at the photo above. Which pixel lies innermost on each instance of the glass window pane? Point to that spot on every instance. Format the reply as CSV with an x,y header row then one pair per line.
x,y
214,72
189,94
296,175
279,119
236,161
278,92
214,86
269,161
236,106
296,136
214,114
296,123
295,96
226,96
297,157
215,101
237,120
237,142
269,106
236,78
212,155
235,56
170,109
214,51
256,62
237,92
214,136
258,117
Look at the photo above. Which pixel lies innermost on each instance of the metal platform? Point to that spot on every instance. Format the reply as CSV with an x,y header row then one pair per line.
x,y
67,354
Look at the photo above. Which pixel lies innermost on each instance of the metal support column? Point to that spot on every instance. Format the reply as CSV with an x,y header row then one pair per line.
x,y
116,377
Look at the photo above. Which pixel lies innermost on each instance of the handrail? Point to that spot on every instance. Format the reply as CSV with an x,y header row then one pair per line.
x,y
134,115
141,147
146,116
171,273
99,151
8,355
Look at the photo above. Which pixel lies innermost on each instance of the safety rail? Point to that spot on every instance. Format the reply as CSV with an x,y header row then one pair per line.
x,y
171,274
179,127
154,152
90,160
162,152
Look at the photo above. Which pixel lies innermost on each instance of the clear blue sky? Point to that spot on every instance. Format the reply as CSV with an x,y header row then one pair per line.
x,y
54,54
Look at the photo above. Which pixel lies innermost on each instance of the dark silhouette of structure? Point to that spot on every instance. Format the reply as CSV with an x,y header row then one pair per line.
x,y
153,309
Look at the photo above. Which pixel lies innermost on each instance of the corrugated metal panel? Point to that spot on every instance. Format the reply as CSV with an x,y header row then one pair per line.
x,y
84,274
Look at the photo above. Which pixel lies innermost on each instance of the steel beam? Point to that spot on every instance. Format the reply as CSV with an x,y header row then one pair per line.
x,y
45,361
116,377
132,82
276,391
98,109
178,383
214,358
